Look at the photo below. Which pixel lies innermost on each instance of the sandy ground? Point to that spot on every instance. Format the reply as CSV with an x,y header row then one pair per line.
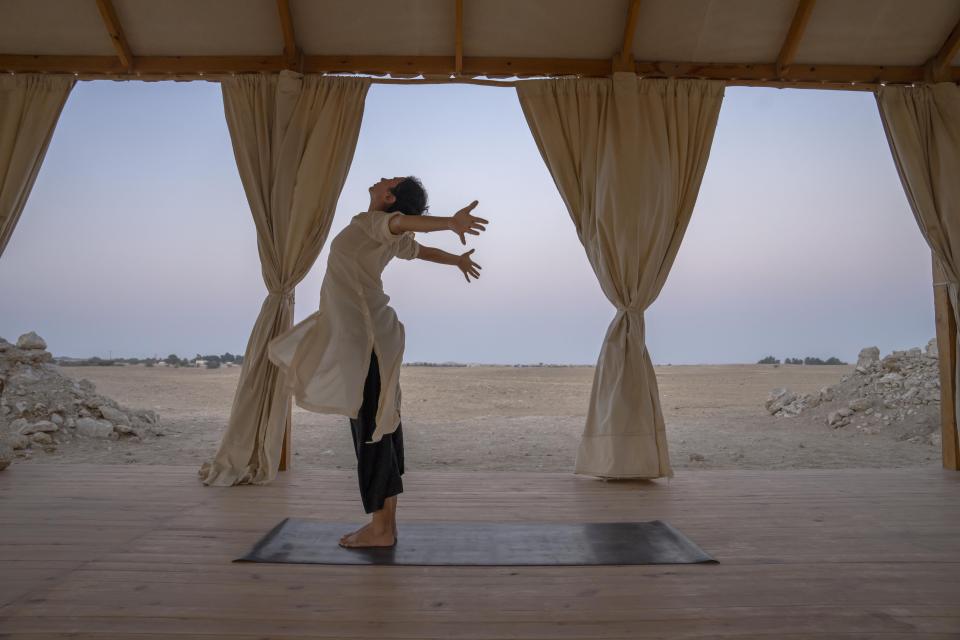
x,y
507,418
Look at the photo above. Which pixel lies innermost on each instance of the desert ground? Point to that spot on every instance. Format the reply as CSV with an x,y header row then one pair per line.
x,y
516,418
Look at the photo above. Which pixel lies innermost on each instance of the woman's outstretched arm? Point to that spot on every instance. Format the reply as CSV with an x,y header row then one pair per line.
x,y
460,223
462,262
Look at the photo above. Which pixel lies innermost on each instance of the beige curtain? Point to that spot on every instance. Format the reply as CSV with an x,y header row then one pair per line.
x,y
293,137
627,156
30,105
922,124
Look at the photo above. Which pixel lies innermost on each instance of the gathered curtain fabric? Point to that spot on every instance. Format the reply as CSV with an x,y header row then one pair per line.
x,y
628,156
30,105
294,137
922,125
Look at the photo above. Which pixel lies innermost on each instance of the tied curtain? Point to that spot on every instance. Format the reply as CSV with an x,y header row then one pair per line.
x,y
627,155
293,137
922,125
30,105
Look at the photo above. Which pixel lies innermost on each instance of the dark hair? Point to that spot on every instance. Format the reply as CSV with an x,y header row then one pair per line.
x,y
411,197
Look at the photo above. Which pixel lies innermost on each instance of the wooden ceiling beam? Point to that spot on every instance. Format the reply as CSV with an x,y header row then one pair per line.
x,y
938,67
291,53
799,24
112,23
110,66
458,56
623,61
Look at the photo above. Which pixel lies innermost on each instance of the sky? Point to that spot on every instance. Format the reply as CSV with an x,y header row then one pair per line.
x,y
137,239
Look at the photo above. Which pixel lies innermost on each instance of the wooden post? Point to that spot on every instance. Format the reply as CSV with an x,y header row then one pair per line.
x,y
947,348
285,460
458,39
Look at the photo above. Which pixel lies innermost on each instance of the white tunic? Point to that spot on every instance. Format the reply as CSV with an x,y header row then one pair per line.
x,y
326,356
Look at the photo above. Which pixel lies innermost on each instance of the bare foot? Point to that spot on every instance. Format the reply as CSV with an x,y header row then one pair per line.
x,y
344,537
369,537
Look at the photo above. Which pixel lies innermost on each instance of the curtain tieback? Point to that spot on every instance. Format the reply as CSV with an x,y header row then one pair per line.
x,y
285,295
627,309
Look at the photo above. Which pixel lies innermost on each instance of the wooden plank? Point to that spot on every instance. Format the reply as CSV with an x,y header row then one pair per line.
x,y
797,26
768,72
380,65
947,348
111,67
534,66
814,553
291,53
625,58
190,67
112,23
939,65
458,37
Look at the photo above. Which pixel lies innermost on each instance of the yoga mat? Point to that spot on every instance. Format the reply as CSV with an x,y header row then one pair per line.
x,y
483,543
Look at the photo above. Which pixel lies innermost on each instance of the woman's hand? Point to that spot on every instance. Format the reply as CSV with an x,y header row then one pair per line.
x,y
468,266
462,222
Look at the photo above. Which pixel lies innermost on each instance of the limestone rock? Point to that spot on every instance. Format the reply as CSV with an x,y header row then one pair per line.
x,y
94,428
18,441
868,356
836,420
138,431
36,427
6,455
114,415
891,378
41,438
903,387
37,397
778,398
31,340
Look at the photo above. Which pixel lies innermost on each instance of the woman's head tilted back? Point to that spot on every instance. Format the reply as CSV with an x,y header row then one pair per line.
x,y
411,197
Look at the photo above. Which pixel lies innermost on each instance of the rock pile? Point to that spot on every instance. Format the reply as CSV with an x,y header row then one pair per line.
x,y
40,407
903,386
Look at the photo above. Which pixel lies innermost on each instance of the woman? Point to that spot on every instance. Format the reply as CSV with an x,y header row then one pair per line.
x,y
345,357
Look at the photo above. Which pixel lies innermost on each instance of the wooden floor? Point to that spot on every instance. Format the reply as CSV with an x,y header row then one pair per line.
x,y
145,552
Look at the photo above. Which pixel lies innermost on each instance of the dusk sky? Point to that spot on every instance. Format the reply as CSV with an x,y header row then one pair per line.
x,y
137,239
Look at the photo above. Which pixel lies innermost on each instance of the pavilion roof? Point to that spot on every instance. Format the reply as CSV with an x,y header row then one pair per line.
x,y
748,41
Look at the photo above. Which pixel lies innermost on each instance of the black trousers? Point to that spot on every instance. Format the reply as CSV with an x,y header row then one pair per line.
x,y
379,464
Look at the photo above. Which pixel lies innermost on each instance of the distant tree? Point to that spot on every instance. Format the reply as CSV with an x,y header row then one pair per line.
x,y
173,360
834,360
212,359
793,361
812,360
769,360
213,364
227,357
238,359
